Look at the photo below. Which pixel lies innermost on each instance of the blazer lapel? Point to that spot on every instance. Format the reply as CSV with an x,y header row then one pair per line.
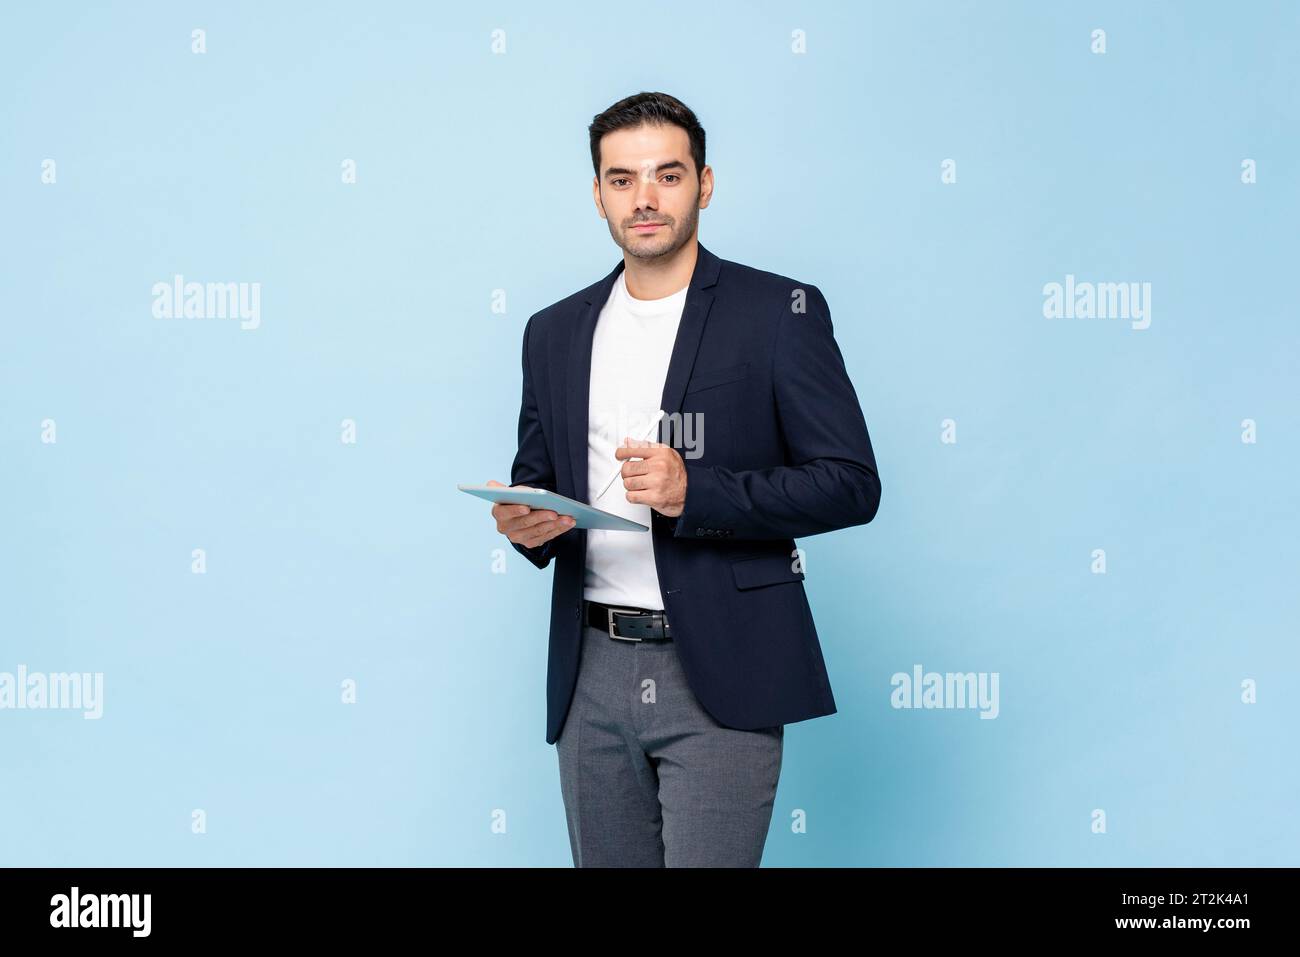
x,y
695,312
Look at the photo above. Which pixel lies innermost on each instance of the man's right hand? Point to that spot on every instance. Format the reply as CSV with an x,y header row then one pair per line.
x,y
527,526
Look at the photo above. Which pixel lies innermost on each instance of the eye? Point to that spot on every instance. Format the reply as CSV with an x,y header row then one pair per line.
x,y
673,175
620,180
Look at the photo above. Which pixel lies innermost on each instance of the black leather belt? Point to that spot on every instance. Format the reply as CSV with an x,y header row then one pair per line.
x,y
628,624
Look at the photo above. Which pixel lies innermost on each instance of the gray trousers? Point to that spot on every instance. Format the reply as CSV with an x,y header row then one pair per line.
x,y
648,777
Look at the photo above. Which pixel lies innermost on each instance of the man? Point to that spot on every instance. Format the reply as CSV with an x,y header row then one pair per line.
x,y
677,656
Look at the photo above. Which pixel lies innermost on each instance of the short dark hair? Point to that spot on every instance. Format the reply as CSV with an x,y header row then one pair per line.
x,y
652,108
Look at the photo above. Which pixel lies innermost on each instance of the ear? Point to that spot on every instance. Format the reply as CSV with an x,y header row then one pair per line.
x,y
595,195
706,186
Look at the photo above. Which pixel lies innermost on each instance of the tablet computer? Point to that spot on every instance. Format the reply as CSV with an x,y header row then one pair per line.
x,y
585,516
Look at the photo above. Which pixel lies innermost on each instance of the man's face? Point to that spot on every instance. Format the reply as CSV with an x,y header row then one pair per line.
x,y
647,177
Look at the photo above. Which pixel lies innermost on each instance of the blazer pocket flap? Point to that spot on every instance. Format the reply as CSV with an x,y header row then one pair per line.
x,y
764,570
708,378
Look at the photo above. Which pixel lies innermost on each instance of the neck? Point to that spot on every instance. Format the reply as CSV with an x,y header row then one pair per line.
x,y
657,278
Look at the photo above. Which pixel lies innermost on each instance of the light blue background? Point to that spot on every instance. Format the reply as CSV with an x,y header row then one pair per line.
x,y
327,561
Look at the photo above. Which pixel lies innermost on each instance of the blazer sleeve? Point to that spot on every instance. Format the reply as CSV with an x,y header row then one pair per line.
x,y
830,481
532,465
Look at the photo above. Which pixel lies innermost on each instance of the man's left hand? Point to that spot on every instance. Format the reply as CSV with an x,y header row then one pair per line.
x,y
658,480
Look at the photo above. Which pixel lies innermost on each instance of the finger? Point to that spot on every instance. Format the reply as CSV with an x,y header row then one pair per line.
x,y
535,516
645,450
640,443
517,524
501,511
547,530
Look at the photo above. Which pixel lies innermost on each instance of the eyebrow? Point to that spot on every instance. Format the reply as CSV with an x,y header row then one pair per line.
x,y
619,171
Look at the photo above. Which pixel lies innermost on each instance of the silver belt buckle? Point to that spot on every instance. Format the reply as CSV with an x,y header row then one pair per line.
x,y
623,611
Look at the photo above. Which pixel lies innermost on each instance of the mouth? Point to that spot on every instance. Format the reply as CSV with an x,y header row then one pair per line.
x,y
646,227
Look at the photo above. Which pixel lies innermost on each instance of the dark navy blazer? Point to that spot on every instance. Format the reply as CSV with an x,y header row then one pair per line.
x,y
785,455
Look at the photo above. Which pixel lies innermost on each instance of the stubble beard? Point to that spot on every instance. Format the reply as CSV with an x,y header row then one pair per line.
x,y
656,246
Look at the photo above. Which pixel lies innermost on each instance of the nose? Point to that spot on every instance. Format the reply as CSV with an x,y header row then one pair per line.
x,y
647,194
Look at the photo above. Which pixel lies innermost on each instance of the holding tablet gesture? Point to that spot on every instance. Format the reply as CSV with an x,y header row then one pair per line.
x,y
526,526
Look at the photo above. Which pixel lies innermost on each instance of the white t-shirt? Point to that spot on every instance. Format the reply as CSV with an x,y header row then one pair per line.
x,y
630,350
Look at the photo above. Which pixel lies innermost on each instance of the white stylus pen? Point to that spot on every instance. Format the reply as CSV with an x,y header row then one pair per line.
x,y
618,471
